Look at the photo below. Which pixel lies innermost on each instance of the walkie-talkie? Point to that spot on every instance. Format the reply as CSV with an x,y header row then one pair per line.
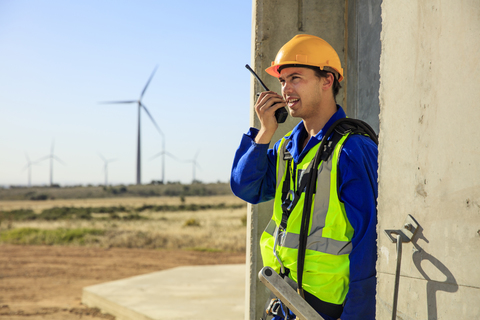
x,y
280,114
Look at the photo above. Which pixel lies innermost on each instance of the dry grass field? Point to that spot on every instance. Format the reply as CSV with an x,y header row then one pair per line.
x,y
220,228
44,281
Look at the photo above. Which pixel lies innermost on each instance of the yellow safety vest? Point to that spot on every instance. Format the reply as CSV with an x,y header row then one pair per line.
x,y
327,265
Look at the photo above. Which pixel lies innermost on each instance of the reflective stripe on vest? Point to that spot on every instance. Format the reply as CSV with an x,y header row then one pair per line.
x,y
326,271
315,242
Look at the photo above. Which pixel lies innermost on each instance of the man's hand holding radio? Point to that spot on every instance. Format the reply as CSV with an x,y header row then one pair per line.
x,y
267,103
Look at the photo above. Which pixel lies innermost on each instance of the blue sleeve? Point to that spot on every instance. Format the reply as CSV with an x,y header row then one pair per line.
x,y
358,186
253,177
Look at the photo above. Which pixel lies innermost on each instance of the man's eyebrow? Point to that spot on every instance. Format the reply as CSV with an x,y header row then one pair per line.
x,y
289,76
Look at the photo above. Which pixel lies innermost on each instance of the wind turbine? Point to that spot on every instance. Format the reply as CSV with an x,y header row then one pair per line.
x,y
29,167
194,165
140,106
105,168
52,157
163,153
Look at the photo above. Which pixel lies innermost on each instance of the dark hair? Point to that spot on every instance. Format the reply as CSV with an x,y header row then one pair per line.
x,y
336,85
319,73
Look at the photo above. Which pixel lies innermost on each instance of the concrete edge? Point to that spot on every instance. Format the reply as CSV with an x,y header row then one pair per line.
x,y
92,300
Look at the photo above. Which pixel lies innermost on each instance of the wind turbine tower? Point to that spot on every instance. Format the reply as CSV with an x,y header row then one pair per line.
x,y
105,168
52,157
194,165
140,107
163,154
29,167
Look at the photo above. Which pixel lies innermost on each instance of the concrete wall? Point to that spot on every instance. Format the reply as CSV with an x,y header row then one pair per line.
x,y
364,24
430,157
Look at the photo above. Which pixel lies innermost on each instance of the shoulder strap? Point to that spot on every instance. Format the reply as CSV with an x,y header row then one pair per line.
x,y
342,127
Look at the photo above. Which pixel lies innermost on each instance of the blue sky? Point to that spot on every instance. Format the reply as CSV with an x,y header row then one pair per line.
x,y
60,59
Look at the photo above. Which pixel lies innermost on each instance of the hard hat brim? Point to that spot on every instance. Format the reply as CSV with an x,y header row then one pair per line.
x,y
273,69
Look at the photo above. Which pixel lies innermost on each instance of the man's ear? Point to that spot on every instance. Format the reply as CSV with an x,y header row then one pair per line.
x,y
327,82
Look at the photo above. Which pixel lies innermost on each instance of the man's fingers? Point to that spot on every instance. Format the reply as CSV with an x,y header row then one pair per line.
x,y
269,99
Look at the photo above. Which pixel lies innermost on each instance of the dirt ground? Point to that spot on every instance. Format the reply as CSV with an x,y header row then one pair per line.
x,y
45,282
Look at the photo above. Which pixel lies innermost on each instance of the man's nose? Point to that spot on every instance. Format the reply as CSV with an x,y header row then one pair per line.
x,y
286,87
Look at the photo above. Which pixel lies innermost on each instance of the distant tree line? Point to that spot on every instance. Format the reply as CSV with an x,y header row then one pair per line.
x,y
154,189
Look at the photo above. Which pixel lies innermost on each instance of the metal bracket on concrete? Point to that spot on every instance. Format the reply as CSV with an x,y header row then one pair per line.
x,y
405,234
283,291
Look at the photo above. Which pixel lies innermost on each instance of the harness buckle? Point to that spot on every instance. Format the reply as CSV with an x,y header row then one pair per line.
x,y
288,203
292,194
279,236
274,308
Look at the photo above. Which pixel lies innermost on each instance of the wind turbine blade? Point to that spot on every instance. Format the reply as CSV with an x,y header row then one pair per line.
x,y
119,102
44,158
148,82
171,156
101,156
53,144
28,158
151,118
156,156
186,161
166,153
196,155
58,159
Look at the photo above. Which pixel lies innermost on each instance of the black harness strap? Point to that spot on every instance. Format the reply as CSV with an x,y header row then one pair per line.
x,y
290,197
287,196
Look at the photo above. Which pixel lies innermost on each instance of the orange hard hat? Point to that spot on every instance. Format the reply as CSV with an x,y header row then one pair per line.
x,y
308,50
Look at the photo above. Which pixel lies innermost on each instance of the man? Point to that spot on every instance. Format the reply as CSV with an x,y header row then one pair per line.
x,y
336,269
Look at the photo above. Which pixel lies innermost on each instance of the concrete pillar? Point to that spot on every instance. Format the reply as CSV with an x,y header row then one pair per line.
x,y
364,24
274,23
430,157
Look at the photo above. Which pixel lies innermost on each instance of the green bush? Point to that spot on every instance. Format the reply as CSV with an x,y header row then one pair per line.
x,y
119,190
133,216
114,216
189,207
108,209
40,197
244,220
62,213
18,215
33,236
191,223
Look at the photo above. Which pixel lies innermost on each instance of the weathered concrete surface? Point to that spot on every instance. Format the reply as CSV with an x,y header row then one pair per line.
x,y
362,81
199,292
429,157
426,299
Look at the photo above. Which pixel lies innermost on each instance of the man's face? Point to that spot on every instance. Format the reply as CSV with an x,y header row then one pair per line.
x,y
301,89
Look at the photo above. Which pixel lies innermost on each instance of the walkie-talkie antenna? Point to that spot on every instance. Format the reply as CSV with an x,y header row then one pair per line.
x,y
281,113
256,76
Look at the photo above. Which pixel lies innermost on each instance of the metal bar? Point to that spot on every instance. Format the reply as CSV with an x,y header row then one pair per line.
x,y
282,290
397,276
